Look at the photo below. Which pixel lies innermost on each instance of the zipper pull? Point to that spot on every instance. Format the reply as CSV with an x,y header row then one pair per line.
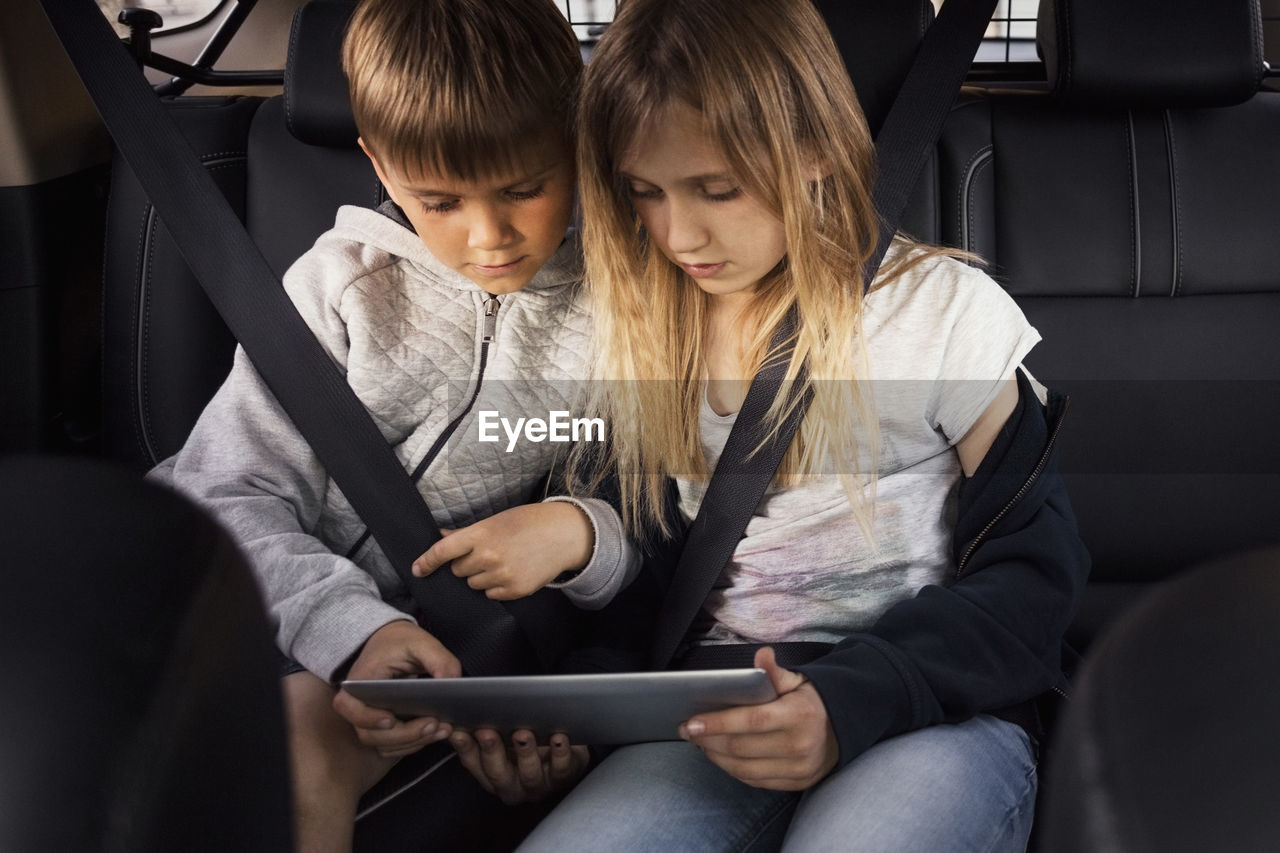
x,y
491,306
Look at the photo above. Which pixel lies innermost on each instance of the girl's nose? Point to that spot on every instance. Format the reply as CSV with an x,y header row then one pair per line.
x,y
686,231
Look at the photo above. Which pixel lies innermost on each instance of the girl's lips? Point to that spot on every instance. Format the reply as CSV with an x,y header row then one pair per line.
x,y
501,269
703,270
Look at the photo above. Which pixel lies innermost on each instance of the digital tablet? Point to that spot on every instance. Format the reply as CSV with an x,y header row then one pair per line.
x,y
611,708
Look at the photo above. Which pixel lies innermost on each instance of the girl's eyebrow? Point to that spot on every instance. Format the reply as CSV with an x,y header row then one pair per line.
x,y
690,179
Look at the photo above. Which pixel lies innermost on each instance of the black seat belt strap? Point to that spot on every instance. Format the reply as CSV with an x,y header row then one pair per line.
x,y
482,633
909,134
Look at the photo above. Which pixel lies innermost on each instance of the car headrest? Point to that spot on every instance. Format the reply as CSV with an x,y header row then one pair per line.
x,y
877,38
317,106
1152,53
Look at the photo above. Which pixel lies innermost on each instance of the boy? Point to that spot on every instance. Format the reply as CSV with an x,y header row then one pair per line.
x,y
465,285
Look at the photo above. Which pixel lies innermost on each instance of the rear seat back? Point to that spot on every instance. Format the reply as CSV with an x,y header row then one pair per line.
x,y
1129,212
286,164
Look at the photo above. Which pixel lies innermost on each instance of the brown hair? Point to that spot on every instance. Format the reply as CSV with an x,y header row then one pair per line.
x,y
460,87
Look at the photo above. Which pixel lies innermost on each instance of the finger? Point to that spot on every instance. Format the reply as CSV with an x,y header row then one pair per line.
x,y
361,715
469,756
564,761
744,719
775,774
449,547
777,744
494,760
404,734
480,579
528,763
435,659
783,680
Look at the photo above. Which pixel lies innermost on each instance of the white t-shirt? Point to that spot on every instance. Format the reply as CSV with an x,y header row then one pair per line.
x,y
940,340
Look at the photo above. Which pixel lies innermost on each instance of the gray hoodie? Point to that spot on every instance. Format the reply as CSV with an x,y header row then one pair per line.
x,y
409,334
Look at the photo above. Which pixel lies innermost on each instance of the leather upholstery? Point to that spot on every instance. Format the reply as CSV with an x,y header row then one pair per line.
x,y
295,189
165,349
1136,240
1169,742
142,701
1152,53
317,106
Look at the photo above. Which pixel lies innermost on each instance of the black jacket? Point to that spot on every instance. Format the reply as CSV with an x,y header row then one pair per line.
x,y
991,639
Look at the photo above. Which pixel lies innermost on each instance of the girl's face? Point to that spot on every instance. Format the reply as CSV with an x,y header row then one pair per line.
x,y
695,211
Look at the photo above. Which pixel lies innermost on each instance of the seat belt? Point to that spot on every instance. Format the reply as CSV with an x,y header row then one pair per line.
x,y
488,637
907,137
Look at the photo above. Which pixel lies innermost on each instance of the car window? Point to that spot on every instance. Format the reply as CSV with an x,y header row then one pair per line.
x,y
176,13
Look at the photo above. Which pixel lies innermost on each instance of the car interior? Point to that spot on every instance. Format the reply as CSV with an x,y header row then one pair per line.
x,y
1115,163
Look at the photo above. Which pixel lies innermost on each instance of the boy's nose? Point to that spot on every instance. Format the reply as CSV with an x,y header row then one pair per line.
x,y
490,230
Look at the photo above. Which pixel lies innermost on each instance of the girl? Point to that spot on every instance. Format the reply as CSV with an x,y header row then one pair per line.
x,y
917,524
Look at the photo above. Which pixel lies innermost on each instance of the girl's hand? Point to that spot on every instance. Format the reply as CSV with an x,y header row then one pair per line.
x,y
516,552
525,772
785,745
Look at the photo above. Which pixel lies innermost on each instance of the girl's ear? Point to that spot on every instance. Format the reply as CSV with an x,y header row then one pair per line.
x,y
377,168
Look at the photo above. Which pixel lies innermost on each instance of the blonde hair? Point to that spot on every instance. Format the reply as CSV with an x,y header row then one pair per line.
x,y
460,87
775,97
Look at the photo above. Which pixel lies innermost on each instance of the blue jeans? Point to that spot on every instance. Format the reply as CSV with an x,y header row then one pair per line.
x,y
965,787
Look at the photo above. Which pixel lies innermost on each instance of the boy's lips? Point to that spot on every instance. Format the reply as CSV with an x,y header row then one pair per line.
x,y
499,269
703,270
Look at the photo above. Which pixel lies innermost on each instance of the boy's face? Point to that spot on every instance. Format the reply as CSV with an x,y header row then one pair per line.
x,y
497,231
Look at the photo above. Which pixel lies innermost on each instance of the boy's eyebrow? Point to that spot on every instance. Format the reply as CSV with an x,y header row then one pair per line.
x,y
419,192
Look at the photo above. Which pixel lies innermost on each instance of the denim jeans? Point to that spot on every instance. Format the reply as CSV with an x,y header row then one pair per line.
x,y
964,787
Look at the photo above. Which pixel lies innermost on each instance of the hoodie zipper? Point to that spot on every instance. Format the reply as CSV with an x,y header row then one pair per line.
x,y
491,306
488,334
1031,478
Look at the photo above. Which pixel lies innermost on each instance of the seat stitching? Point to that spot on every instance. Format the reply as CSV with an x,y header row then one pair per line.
x,y
144,334
982,157
1173,190
135,318
1135,213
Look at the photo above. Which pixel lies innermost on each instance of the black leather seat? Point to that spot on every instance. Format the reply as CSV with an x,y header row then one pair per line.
x,y
1127,211
1169,744
141,703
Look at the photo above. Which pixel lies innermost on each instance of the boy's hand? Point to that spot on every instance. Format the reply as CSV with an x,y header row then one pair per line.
x,y
524,773
395,650
516,552
785,745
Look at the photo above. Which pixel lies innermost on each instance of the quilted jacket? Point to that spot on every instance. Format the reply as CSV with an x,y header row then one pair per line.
x,y
410,335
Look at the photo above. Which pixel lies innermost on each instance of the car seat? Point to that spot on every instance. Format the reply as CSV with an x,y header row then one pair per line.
x,y
1127,211
141,704
1170,741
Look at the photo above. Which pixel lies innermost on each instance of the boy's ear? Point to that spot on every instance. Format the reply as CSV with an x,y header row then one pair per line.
x,y
377,168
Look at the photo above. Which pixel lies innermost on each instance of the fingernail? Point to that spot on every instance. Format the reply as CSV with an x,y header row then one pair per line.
x,y
695,727
428,729
459,742
386,723
522,742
